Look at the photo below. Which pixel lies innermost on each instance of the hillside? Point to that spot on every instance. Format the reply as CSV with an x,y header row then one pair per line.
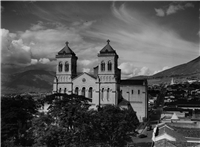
x,y
180,73
42,80
27,81
187,69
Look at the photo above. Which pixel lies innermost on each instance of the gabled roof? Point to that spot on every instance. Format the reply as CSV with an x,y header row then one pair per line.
x,y
164,143
174,117
108,49
167,143
80,74
165,129
66,50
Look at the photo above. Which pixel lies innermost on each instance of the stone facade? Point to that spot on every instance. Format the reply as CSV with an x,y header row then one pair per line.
x,y
104,86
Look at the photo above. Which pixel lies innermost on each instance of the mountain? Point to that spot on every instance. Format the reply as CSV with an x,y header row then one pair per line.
x,y
187,69
180,73
42,80
27,81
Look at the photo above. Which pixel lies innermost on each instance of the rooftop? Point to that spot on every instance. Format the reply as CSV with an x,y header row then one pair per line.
x,y
66,50
133,82
108,49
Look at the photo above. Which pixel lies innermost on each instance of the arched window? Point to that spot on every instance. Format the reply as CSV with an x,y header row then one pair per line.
x,y
138,91
83,91
65,90
102,66
102,93
109,66
76,90
60,90
66,66
90,92
108,93
60,67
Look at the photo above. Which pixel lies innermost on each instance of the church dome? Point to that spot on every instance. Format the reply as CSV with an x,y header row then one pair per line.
x,y
66,50
107,49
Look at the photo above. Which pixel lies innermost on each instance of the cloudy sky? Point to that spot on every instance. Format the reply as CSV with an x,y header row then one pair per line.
x,y
148,36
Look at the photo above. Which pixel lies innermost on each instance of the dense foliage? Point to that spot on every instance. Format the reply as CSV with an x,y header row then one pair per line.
x,y
70,122
16,115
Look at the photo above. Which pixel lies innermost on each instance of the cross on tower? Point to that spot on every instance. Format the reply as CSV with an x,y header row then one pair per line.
x,y
66,43
108,41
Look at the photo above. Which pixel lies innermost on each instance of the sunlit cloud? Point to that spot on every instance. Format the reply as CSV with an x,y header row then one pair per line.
x,y
173,8
160,12
144,46
143,42
164,68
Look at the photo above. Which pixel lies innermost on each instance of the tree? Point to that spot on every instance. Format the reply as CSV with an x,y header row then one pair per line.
x,y
65,124
69,122
112,125
16,114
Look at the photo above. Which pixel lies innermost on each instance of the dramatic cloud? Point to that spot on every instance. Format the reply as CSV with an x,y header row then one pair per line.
x,y
44,60
173,8
14,50
140,41
40,43
129,70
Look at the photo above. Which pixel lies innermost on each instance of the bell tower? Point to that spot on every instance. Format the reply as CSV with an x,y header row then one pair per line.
x,y
108,75
65,70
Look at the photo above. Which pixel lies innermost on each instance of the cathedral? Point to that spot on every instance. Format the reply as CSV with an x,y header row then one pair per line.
x,y
104,86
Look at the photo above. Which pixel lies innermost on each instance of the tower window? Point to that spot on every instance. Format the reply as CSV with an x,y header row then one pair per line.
x,y
102,66
138,91
60,67
132,91
60,90
83,91
109,66
76,90
65,90
66,66
90,92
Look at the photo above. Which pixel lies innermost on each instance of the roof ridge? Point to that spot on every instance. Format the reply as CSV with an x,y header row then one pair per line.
x,y
66,50
107,49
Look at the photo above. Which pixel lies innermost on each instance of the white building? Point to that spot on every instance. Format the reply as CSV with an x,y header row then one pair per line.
x,y
104,86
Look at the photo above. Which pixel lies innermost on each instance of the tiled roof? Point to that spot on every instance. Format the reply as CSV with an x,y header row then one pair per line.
x,y
166,143
188,132
185,144
66,50
165,129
